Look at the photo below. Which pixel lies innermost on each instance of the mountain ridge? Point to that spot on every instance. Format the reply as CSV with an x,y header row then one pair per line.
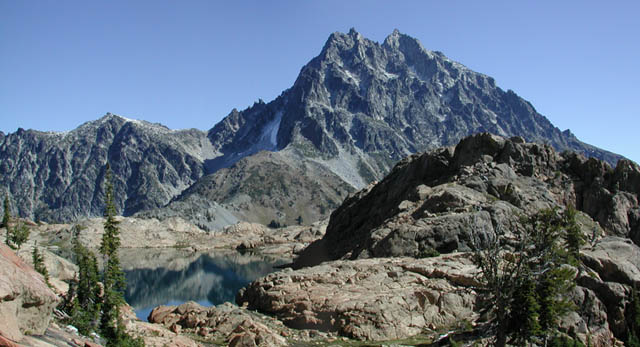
x,y
353,112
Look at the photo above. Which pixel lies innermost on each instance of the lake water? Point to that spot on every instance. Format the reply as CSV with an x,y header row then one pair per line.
x,y
173,276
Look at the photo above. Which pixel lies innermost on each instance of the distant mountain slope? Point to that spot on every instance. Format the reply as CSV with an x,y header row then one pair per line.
x,y
264,187
58,176
353,112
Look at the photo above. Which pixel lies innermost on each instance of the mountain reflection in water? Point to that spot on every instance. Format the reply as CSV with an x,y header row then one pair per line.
x,y
172,276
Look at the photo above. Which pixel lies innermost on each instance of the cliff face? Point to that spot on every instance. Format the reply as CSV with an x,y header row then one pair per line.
x,y
449,198
352,113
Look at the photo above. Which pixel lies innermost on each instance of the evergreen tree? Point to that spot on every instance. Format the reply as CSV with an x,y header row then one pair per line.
x,y
82,302
574,238
113,277
17,235
524,311
38,264
110,239
87,302
633,319
7,214
524,289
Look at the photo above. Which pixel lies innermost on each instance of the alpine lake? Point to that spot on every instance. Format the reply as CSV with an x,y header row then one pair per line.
x,y
173,276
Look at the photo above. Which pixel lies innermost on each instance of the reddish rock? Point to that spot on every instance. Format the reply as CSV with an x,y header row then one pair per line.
x,y
4,342
26,302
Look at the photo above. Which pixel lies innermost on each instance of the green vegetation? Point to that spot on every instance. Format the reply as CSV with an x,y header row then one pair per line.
x,y
89,307
38,264
275,225
7,215
524,291
113,279
633,319
17,235
83,300
428,253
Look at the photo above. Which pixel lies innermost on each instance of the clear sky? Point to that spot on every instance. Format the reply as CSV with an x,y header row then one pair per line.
x,y
186,64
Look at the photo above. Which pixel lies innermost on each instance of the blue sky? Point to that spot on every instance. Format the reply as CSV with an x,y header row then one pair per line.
x,y
188,63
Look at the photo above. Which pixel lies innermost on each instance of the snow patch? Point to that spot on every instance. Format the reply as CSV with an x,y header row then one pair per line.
x,y
389,75
441,117
269,137
129,120
351,77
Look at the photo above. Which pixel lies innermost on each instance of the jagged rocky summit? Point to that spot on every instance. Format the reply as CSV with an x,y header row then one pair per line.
x,y
396,257
352,113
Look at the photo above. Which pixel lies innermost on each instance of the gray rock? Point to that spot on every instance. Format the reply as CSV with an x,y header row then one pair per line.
x,y
457,199
370,299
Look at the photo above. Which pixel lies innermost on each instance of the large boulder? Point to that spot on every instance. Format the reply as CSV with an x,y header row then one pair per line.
x,y
370,299
614,265
26,302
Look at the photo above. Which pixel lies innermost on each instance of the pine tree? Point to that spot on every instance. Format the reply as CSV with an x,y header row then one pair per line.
x,y
524,289
7,214
633,320
524,311
110,239
574,238
113,277
38,264
88,299
17,235
83,300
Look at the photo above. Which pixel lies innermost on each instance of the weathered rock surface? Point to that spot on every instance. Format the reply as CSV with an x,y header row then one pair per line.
x,y
26,303
232,324
615,265
371,299
454,198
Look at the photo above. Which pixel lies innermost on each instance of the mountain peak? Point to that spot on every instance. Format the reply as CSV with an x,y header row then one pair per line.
x,y
355,34
397,40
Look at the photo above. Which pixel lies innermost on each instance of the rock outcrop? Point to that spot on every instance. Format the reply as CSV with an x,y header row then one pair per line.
x,y
395,298
226,322
370,299
26,302
456,198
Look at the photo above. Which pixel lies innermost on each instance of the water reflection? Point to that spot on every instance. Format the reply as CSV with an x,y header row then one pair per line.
x,y
171,277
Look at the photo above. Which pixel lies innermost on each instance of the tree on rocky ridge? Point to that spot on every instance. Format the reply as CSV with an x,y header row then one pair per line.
x,y
38,263
523,290
17,235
